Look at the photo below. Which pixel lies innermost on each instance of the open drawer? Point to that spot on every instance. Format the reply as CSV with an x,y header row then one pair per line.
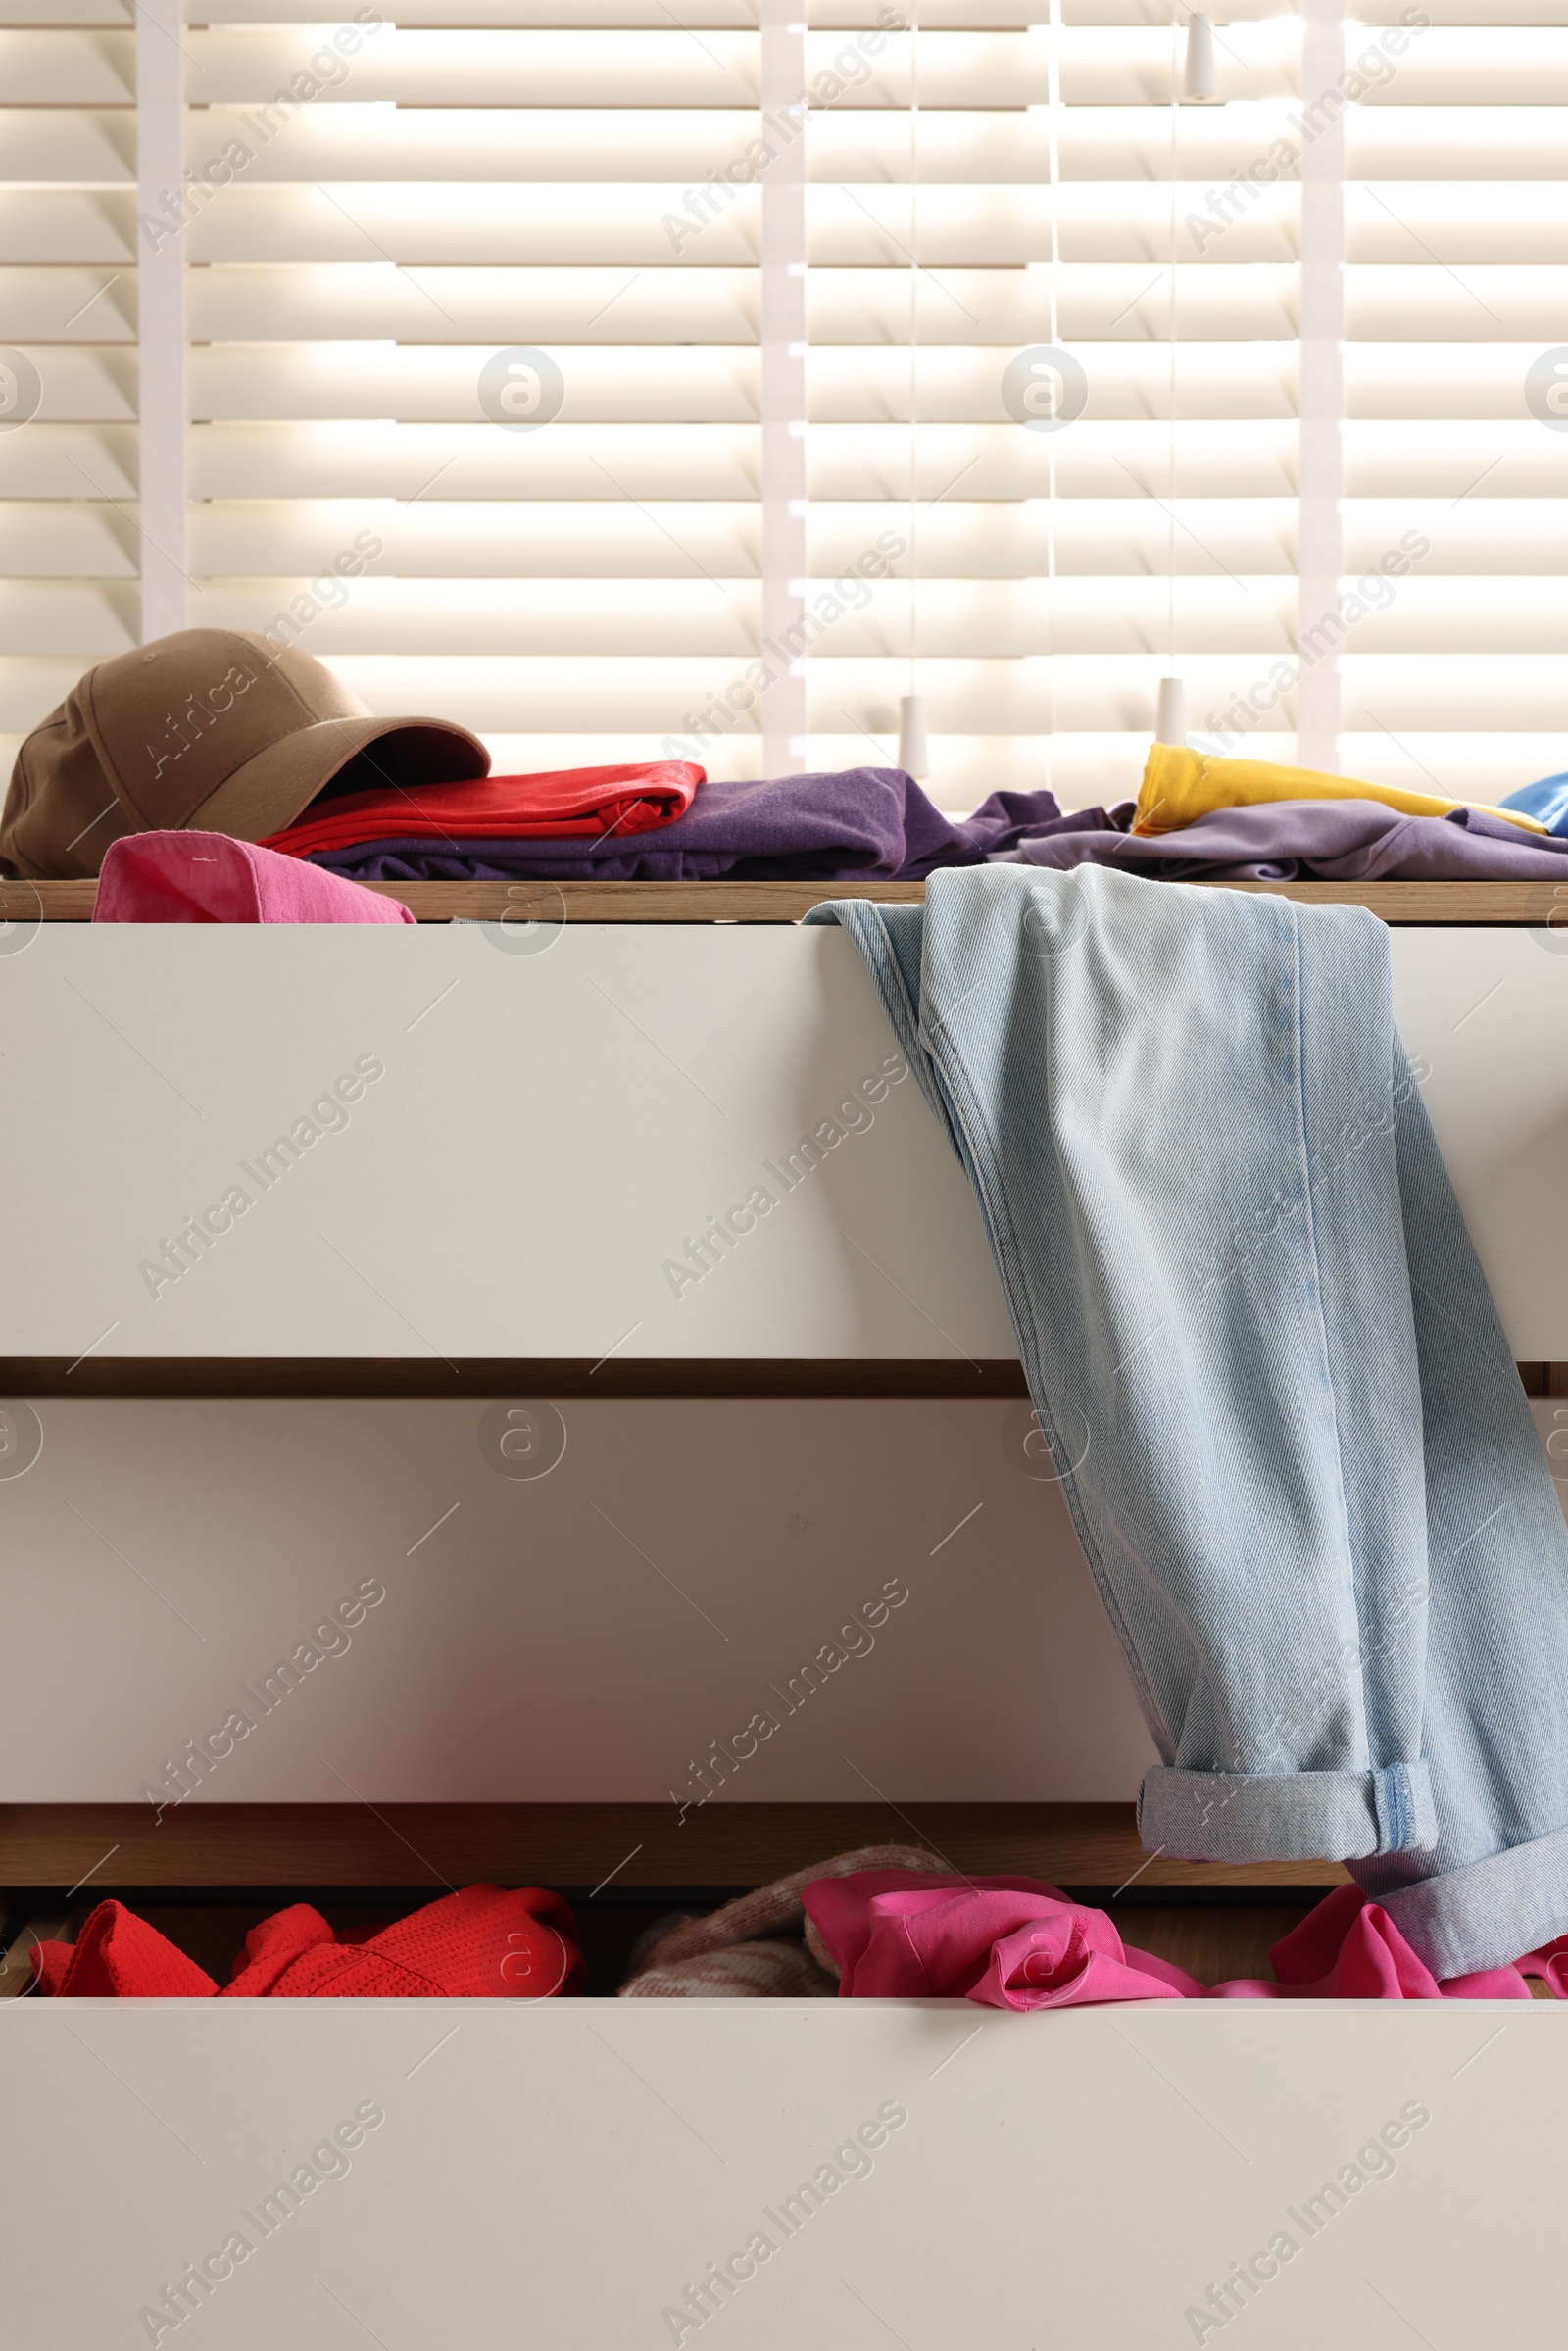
x,y
840,2173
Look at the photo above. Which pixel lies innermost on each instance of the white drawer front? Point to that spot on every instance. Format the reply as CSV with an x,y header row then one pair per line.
x,y
1486,1013
610,1631
549,1133
584,1636
566,2173
552,1132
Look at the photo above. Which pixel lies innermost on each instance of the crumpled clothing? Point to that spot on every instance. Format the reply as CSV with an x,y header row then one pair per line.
x,y
761,1946
870,821
771,1967
1181,785
1307,840
209,877
1018,1942
569,803
483,1943
1007,1943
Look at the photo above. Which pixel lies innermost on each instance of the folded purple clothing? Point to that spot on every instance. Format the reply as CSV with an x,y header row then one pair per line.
x,y
1309,840
877,824
874,821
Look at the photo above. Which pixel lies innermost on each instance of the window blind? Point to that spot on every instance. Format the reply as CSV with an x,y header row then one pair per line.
x,y
69,559
1456,233
546,371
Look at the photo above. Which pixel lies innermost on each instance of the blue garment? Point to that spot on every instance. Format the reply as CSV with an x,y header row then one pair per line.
x,y
1291,1431
1547,800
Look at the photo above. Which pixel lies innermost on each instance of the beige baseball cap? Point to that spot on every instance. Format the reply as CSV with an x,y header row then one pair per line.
x,y
214,730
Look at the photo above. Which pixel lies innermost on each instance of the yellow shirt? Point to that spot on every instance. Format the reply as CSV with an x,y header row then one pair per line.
x,y
1181,785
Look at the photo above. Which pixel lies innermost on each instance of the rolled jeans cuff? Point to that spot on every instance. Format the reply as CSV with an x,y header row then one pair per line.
x,y
1287,1816
1488,1913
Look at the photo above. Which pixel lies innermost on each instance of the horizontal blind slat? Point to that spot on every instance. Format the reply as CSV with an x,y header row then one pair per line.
x,y
537,174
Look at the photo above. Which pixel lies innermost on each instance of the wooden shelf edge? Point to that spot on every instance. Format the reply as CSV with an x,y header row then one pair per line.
x,y
562,1378
581,1845
556,1377
557,903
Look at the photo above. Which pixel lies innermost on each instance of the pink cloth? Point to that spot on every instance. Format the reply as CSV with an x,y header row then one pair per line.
x,y
1017,1943
1551,1964
1349,1949
207,877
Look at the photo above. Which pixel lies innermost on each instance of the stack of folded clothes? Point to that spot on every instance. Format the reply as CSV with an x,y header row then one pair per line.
x,y
492,813
1203,819
874,821
216,732
1194,819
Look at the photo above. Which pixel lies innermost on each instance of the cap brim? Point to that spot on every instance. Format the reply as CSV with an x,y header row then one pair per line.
x,y
274,787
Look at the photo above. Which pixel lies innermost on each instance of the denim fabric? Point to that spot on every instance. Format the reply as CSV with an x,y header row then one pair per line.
x,y
1287,1422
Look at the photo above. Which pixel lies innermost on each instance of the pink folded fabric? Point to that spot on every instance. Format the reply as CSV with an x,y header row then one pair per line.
x,y
1017,1943
208,877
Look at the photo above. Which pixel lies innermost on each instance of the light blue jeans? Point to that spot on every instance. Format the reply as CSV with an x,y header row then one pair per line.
x,y
1292,1438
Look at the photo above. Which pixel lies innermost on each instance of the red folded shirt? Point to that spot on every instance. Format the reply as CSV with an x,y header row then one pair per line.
x,y
591,801
484,1943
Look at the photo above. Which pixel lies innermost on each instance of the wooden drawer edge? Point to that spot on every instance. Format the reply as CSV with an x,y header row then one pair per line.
x,y
1486,903
583,1844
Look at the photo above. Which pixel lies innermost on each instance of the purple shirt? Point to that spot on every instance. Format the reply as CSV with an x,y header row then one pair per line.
x,y
1311,840
874,821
